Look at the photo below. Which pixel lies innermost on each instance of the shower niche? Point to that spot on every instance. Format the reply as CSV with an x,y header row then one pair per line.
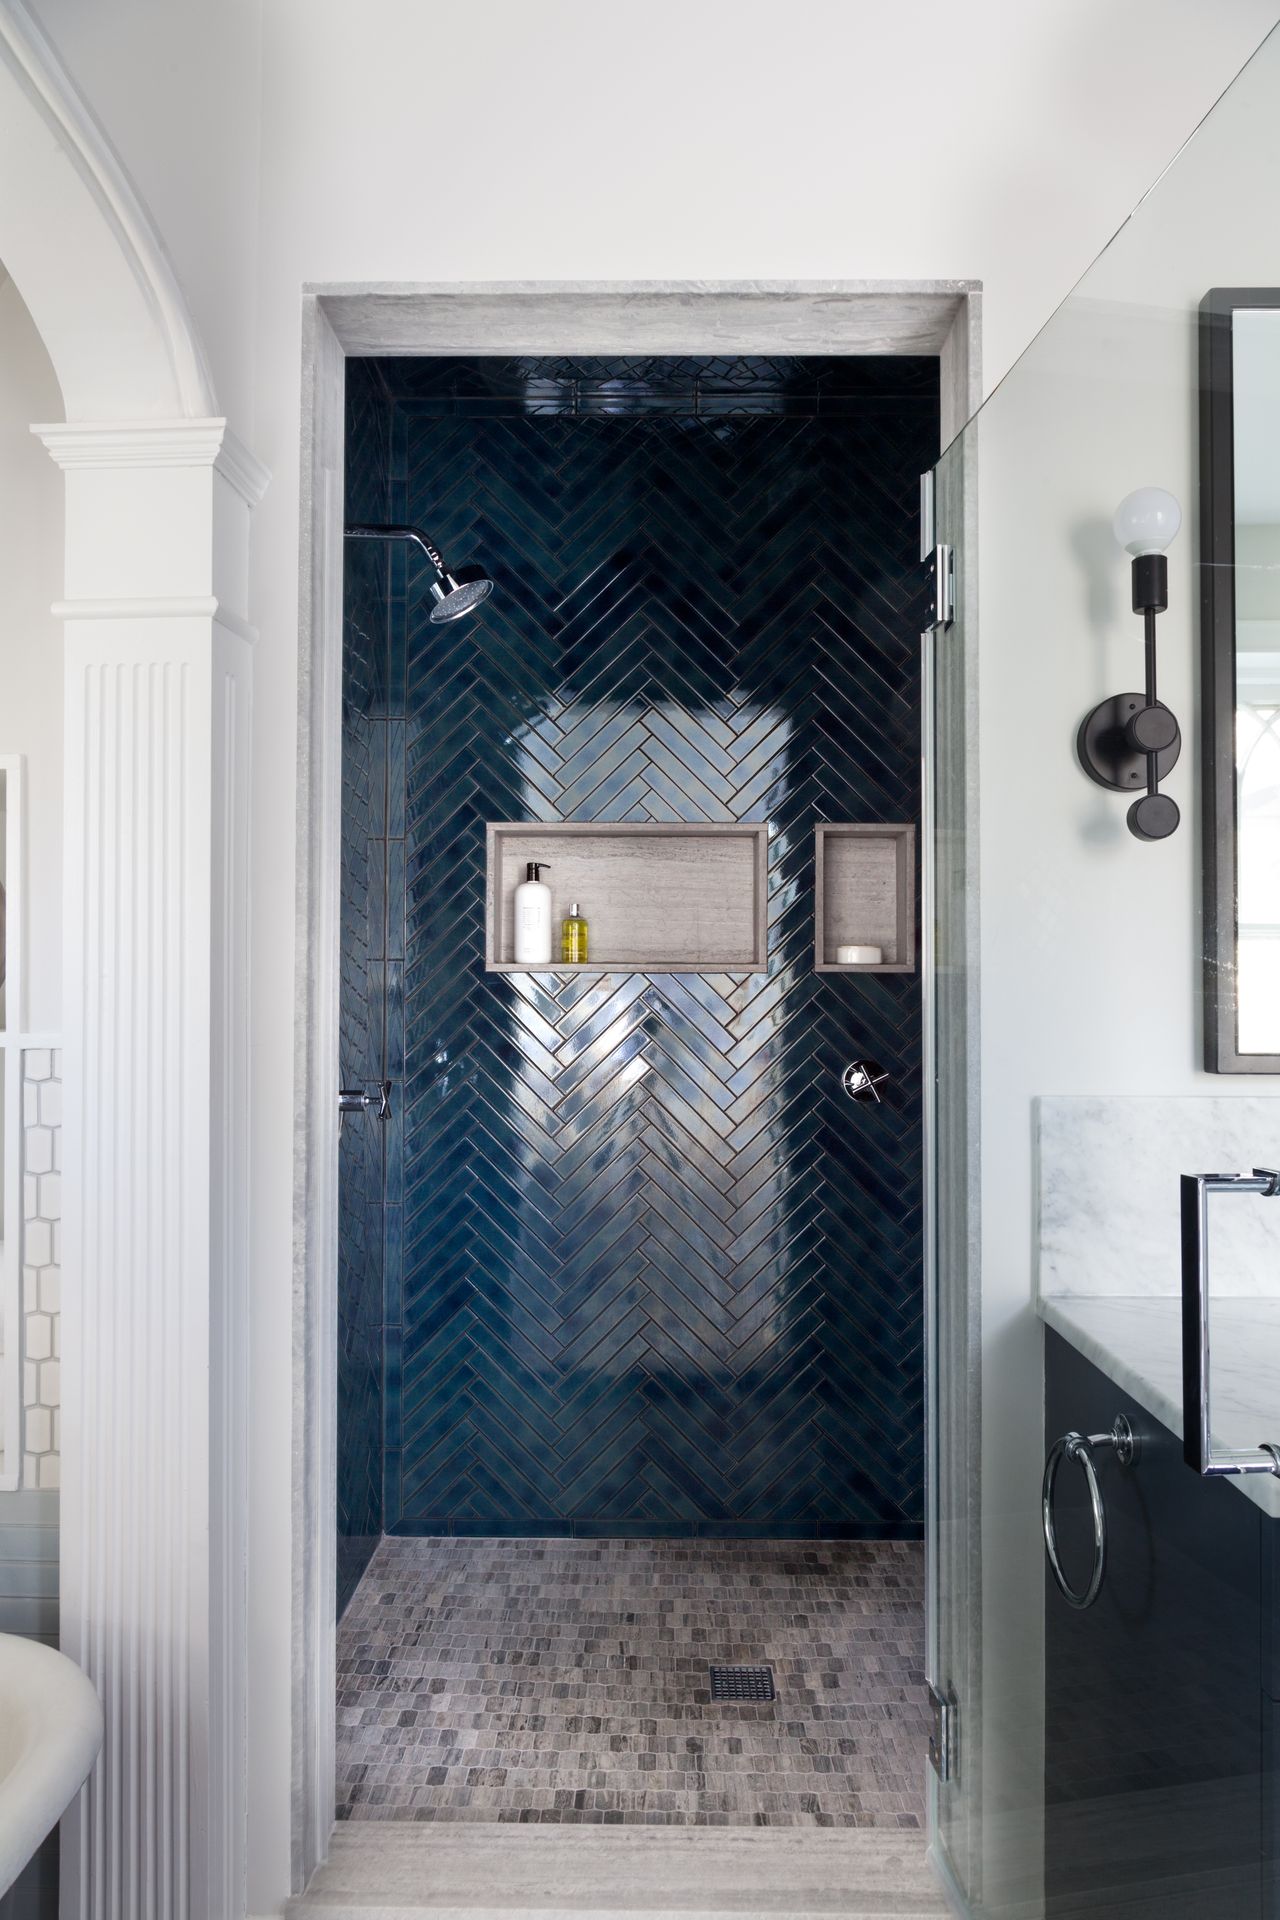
x,y
659,897
865,897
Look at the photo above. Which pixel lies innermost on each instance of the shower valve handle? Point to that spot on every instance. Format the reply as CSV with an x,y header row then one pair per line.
x,y
375,1099
863,1079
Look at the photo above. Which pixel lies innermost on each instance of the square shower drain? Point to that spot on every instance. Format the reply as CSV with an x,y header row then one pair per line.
x,y
742,1683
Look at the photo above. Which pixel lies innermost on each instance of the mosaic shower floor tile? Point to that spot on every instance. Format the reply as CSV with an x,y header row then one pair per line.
x,y
568,1681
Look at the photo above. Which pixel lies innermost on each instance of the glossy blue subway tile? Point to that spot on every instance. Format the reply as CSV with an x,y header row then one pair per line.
x,y
376,898
393,1258
395,897
378,779
393,1143
651,1278
396,779
642,1525
392,1489
393,1043
393,1361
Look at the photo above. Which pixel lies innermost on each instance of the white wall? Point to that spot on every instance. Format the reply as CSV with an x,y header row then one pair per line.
x,y
30,639
555,140
726,139
477,139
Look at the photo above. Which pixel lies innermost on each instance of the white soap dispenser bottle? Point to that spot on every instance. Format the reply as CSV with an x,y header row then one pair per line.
x,y
533,918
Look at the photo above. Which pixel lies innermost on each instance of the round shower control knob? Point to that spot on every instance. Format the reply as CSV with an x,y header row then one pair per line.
x,y
863,1080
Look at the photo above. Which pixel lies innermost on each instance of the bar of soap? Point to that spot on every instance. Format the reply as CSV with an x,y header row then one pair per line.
x,y
859,956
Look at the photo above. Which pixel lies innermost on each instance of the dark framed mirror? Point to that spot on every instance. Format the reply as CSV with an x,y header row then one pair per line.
x,y
1240,675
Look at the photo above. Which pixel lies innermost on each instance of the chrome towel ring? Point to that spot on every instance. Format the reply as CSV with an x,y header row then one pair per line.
x,y
1079,1448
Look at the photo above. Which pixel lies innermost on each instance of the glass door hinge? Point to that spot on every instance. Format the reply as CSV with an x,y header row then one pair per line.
x,y
927,532
942,1738
944,585
942,556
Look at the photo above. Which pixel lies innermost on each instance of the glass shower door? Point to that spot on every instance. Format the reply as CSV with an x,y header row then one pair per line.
x,y
1108,1761
950,933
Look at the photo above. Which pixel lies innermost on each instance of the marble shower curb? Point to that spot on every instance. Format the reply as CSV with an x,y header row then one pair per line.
x,y
393,1871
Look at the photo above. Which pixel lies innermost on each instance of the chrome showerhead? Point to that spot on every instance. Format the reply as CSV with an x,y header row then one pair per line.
x,y
452,597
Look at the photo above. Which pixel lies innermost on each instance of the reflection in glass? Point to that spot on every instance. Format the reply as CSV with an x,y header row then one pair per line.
x,y
4,880
1258,935
1256,475
4,876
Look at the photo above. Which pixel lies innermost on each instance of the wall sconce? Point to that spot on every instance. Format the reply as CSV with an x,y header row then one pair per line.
x,y
1132,739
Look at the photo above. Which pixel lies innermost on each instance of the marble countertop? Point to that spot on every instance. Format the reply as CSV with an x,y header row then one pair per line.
x,y
1137,1342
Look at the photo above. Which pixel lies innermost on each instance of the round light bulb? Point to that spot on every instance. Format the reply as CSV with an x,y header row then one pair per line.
x,y
1146,521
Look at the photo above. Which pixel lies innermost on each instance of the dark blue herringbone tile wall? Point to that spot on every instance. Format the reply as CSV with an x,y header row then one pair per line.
x,y
360,1042
659,1275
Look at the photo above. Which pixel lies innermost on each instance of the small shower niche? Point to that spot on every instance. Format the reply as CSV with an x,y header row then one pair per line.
x,y
659,898
865,896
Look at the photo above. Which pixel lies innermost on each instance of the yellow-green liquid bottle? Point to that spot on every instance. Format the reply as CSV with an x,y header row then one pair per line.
x,y
573,937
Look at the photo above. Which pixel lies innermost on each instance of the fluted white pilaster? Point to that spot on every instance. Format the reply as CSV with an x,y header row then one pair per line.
x,y
158,727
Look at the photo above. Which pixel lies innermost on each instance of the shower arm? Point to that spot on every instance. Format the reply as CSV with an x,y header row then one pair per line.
x,y
401,533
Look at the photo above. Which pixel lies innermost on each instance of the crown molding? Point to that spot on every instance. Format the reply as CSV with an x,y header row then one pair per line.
x,y
79,444
75,444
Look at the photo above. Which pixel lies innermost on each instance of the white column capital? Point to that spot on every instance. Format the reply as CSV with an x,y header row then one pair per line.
x,y
77,444
156,510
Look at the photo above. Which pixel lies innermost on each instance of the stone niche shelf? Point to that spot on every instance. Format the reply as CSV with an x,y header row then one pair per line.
x,y
657,898
865,895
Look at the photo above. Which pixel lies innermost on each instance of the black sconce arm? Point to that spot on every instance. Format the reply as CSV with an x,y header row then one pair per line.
x,y
1132,740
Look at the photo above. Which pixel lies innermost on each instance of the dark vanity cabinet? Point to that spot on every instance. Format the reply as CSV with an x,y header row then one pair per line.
x,y
1161,1700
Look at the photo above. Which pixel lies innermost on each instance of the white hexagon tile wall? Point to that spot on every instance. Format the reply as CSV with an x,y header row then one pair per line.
x,y
41,1263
